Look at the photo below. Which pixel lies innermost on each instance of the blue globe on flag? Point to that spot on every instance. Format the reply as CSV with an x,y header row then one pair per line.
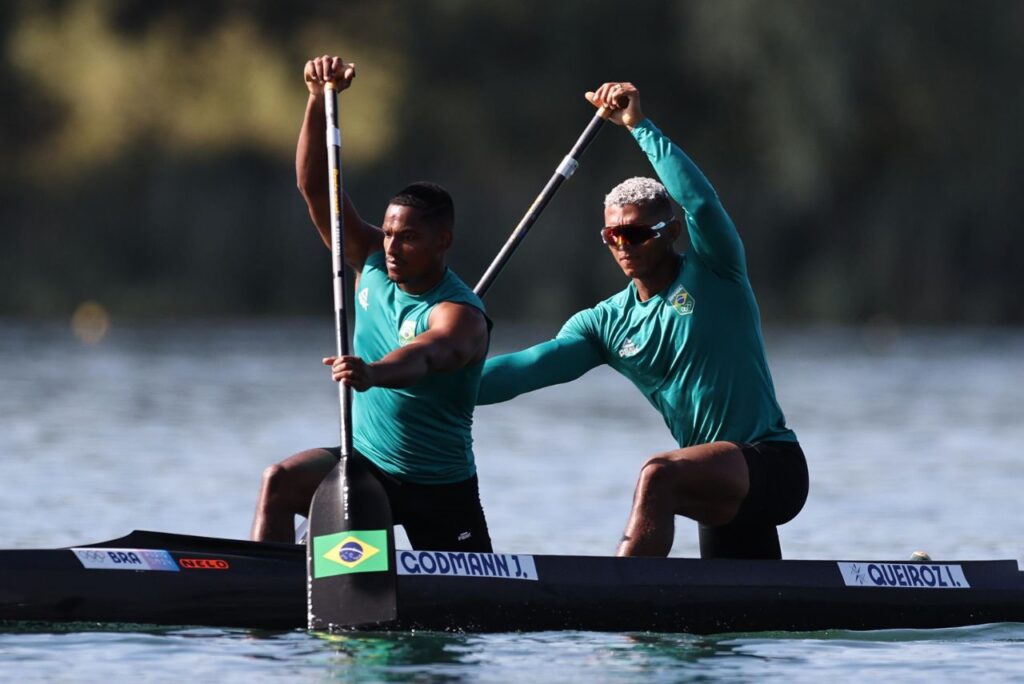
x,y
350,552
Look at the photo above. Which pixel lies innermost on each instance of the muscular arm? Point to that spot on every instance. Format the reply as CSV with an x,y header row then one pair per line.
x,y
456,337
361,238
562,359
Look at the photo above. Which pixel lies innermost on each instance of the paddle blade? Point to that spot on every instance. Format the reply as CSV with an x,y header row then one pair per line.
x,y
350,563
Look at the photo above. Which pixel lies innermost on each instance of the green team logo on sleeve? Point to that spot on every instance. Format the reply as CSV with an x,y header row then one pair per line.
x,y
681,301
352,551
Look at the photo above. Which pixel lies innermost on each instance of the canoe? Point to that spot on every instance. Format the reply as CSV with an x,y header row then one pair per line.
x,y
170,579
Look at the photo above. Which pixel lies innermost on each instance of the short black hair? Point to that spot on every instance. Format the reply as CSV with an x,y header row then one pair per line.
x,y
431,202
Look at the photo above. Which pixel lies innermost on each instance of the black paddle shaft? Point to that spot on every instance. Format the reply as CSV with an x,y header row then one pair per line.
x,y
338,263
562,173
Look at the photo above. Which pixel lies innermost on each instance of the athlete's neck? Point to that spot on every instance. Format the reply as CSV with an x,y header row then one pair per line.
x,y
424,283
659,279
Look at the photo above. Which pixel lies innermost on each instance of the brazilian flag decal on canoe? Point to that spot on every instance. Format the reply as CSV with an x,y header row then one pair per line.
x,y
350,551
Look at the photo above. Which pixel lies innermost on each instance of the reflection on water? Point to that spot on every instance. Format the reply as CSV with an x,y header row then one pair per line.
x,y
387,649
1005,631
663,649
233,655
451,657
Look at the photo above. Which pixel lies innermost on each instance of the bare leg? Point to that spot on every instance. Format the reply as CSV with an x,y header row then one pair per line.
x,y
287,490
706,483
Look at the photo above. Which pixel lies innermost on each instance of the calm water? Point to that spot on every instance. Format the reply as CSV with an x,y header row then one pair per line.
x,y
913,441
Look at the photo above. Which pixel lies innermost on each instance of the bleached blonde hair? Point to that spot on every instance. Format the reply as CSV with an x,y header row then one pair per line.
x,y
646,193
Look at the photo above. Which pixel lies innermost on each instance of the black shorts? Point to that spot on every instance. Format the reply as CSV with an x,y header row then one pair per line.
x,y
778,490
444,517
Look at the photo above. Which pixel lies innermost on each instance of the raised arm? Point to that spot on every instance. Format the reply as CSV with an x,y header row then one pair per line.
x,y
361,238
713,235
456,336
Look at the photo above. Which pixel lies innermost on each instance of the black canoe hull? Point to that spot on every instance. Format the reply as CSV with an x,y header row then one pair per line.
x,y
263,585
228,583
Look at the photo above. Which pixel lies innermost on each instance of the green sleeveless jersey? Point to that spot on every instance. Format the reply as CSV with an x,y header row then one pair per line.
x,y
420,433
694,350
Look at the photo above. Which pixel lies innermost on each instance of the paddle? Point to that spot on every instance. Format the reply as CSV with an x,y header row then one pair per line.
x,y
350,544
562,173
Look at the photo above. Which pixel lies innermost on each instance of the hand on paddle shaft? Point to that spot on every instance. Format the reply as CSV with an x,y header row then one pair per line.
x,y
321,70
622,100
352,371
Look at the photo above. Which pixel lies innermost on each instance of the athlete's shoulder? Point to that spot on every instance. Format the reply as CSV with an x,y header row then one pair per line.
x,y
454,289
592,322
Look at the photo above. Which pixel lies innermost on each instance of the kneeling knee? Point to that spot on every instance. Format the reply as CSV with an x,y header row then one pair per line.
x,y
656,474
274,478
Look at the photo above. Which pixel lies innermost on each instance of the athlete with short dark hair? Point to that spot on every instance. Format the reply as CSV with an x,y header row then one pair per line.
x,y
687,333
433,203
420,341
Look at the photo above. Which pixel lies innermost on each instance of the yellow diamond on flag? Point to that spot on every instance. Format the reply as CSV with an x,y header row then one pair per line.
x,y
351,551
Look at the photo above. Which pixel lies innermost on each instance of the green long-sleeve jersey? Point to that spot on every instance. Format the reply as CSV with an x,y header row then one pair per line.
x,y
695,350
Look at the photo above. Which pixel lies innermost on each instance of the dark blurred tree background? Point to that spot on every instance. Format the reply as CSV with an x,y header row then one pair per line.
x,y
869,152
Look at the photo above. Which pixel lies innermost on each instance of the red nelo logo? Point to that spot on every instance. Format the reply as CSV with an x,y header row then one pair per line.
x,y
203,563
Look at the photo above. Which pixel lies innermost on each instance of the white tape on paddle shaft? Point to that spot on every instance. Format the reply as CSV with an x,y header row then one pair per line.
x,y
568,167
333,137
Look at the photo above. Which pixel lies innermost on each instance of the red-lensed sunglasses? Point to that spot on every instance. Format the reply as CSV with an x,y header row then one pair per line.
x,y
632,233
